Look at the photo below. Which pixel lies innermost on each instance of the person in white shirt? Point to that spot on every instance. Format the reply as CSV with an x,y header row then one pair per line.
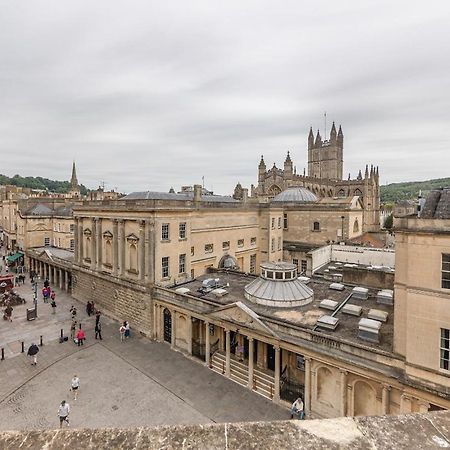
x,y
297,408
63,413
75,384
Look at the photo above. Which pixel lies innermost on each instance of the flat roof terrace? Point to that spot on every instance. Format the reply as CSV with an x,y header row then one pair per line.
x,y
303,316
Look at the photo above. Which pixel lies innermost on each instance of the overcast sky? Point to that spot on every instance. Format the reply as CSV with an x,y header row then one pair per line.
x,y
146,95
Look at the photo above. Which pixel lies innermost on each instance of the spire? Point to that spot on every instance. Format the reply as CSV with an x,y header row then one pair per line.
x,y
340,133
366,175
333,133
73,179
262,164
349,177
288,158
310,139
371,171
340,137
359,177
376,172
318,142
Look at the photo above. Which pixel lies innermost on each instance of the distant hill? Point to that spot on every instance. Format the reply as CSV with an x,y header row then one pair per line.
x,y
410,190
39,183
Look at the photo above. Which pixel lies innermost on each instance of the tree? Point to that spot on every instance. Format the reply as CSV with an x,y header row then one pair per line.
x,y
389,221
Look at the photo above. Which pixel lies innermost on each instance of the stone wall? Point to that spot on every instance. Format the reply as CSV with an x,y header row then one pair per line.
x,y
119,299
378,279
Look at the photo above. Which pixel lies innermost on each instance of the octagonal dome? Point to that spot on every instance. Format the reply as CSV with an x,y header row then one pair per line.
x,y
296,195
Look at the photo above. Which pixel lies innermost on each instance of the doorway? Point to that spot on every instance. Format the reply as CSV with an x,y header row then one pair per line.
x,y
167,326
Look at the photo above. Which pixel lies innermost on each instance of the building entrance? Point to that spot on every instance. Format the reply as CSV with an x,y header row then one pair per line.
x,y
167,326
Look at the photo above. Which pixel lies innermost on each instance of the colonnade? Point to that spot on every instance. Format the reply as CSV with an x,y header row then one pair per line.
x,y
56,275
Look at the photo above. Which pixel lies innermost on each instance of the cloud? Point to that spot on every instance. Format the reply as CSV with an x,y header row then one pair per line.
x,y
149,95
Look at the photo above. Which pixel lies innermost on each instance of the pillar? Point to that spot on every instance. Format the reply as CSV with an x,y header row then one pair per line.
x,y
76,249
207,345
60,279
80,242
99,242
251,350
150,251
343,393
228,351
115,270
173,336
189,336
424,406
385,400
141,252
121,247
405,404
94,244
276,394
307,402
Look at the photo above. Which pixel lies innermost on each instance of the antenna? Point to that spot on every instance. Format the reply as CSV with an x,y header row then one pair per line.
x,y
325,120
203,182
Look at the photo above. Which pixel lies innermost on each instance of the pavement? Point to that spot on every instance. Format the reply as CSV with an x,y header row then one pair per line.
x,y
135,383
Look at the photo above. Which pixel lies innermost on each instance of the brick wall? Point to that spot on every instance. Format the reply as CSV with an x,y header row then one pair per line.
x,y
120,300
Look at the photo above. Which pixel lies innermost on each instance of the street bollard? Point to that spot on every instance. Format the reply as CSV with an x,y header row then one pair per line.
x,y
62,333
80,326
3,354
40,342
23,346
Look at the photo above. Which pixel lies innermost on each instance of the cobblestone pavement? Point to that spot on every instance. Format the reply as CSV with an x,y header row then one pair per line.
x,y
135,383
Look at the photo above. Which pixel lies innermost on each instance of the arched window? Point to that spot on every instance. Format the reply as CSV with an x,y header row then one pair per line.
x,y
316,226
356,226
365,399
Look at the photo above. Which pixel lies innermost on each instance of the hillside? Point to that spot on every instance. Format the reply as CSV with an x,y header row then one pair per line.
x,y
410,189
39,183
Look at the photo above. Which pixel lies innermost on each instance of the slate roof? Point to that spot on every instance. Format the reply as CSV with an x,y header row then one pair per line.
x,y
184,196
437,204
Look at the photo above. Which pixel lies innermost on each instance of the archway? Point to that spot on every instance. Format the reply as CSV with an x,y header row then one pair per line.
x,y
365,399
167,326
228,262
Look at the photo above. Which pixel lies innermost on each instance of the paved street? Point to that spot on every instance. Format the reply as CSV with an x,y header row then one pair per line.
x,y
135,383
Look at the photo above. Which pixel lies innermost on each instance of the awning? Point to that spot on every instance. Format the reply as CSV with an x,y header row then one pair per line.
x,y
14,257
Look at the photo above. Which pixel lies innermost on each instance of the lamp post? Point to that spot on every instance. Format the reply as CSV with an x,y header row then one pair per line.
x,y
342,228
35,296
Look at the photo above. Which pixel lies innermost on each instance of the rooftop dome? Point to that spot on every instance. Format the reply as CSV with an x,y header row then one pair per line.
x,y
279,286
296,194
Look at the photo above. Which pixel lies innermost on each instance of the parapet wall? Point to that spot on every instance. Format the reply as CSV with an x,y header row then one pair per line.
x,y
413,431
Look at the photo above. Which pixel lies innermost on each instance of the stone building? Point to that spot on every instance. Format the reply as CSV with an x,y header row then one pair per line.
x,y
348,351
324,177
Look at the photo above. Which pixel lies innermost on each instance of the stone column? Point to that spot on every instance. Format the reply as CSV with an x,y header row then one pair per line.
x,y
343,393
207,345
189,336
80,242
423,406
173,336
228,351
405,404
60,279
307,403
251,350
150,251
141,250
122,247
99,242
94,243
385,399
276,394
76,249
115,264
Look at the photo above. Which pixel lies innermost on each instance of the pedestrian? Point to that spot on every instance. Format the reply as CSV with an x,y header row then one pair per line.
x,y
127,329
75,384
98,330
73,328
122,332
298,408
8,312
46,283
63,413
80,337
97,316
53,303
89,308
73,311
53,295
33,350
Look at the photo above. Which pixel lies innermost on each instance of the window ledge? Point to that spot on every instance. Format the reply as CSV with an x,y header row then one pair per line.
x,y
182,239
165,241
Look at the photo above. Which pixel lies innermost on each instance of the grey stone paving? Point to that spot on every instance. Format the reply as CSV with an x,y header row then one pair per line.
x,y
135,383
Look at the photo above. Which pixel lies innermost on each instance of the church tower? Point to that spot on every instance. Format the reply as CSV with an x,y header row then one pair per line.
x,y
74,190
326,158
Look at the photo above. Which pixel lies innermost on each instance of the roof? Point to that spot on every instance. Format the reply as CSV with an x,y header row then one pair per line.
x,y
437,205
14,257
296,195
183,196
41,209
368,240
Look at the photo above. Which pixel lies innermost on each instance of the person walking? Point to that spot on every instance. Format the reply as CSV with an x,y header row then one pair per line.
x,y
75,385
63,413
80,336
53,295
97,316
46,283
8,312
98,330
122,332
33,350
89,308
53,303
127,329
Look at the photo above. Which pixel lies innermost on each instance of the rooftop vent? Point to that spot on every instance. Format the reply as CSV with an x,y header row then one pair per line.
x,y
328,304
353,310
350,265
377,314
304,280
338,277
369,329
360,292
219,292
337,286
332,267
385,297
182,290
328,322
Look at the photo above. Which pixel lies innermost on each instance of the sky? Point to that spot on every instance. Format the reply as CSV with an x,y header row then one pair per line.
x,y
148,95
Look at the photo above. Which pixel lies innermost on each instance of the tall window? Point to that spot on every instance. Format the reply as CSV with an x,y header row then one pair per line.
x,y
295,261
273,223
240,242
165,266
133,258
279,243
273,244
279,222
182,230
72,244
445,271
304,265
445,349
182,263
165,232
46,241
285,221
316,226
252,263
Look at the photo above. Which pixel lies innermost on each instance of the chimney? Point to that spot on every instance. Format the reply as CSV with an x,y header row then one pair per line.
x,y
197,192
244,195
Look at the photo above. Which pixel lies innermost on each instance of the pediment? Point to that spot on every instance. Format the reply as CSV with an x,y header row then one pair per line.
x,y
132,238
87,232
241,315
45,255
40,227
107,235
